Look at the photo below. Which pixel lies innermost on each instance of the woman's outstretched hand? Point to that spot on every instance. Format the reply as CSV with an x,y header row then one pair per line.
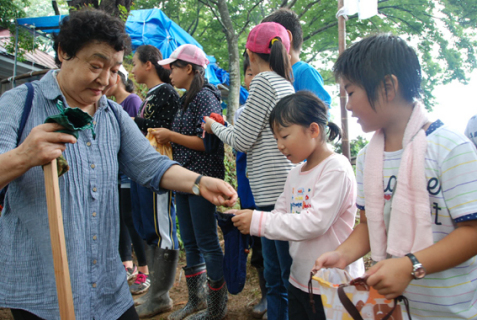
x,y
218,192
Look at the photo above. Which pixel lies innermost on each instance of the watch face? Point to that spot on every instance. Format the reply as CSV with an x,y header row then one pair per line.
x,y
195,190
420,273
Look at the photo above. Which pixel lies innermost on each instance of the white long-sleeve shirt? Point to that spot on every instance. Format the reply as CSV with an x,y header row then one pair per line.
x,y
316,213
267,166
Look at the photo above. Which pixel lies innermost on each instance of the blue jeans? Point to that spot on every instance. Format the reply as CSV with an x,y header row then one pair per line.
x,y
198,230
277,263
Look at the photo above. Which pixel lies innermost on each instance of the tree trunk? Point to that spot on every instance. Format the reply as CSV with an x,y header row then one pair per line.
x,y
234,60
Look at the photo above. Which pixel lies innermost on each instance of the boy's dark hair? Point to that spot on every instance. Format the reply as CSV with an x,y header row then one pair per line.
x,y
87,25
369,61
303,108
290,20
278,59
197,83
150,53
246,62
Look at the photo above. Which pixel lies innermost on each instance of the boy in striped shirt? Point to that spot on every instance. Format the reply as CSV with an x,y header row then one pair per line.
x,y
425,253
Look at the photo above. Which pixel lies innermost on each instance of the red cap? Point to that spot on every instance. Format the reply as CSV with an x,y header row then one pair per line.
x,y
259,38
188,53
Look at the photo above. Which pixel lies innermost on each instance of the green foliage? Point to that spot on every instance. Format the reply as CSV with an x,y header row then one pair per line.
x,y
443,31
355,146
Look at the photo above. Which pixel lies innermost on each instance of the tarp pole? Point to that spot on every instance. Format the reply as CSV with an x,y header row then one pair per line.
x,y
16,53
344,113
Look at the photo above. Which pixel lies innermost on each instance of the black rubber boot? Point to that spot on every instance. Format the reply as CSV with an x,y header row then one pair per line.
x,y
149,250
216,302
196,285
261,308
163,274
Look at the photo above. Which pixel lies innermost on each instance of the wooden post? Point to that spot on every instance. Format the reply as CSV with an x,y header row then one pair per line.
x,y
58,244
344,113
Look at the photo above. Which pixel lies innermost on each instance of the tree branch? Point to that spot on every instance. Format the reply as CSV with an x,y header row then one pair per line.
x,y
248,18
308,7
213,11
284,4
291,4
320,30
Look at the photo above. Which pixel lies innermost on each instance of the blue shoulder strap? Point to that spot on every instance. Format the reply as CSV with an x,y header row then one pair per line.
x,y
115,113
26,111
25,114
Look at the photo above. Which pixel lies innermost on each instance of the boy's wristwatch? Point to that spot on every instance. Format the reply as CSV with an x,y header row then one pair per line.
x,y
196,186
418,271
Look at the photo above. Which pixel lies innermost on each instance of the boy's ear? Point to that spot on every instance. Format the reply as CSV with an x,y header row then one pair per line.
x,y
291,37
390,87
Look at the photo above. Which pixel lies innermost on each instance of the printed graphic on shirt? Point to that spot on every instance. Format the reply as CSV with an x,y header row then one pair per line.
x,y
300,199
451,171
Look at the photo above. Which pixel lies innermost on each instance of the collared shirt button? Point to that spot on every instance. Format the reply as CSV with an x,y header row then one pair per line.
x,y
92,166
94,237
94,122
94,261
88,144
94,214
94,189
94,285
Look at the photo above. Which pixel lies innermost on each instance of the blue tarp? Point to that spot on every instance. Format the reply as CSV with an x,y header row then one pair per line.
x,y
150,26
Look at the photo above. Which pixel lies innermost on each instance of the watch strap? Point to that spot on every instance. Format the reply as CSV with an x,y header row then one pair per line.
x,y
413,259
197,181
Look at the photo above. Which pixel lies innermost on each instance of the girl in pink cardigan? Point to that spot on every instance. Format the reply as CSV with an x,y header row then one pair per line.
x,y
316,211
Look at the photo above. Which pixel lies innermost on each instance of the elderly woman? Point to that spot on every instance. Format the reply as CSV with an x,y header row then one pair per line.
x,y
90,48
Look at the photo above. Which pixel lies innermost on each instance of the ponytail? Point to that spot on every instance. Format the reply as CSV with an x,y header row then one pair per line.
x,y
304,108
197,83
278,59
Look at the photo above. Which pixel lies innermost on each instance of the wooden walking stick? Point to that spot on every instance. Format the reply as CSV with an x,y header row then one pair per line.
x,y
58,244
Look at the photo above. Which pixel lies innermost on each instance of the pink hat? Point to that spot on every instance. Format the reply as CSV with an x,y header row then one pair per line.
x,y
259,38
188,53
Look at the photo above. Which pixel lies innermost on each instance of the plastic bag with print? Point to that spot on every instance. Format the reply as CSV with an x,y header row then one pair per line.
x,y
345,298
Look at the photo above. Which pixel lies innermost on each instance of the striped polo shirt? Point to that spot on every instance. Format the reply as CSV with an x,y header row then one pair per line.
x,y
267,166
451,174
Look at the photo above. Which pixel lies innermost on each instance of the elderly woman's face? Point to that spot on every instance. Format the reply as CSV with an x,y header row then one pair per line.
x,y
84,78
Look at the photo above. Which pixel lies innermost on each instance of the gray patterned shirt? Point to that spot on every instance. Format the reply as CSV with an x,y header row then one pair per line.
x,y
90,206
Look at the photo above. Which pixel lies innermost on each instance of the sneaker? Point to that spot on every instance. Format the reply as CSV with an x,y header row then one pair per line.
x,y
131,272
141,284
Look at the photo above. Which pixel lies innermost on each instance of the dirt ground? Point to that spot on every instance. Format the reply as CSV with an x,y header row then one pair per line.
x,y
239,306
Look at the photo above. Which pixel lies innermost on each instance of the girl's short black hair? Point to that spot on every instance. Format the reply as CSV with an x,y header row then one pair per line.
x,y
369,61
303,108
86,25
150,53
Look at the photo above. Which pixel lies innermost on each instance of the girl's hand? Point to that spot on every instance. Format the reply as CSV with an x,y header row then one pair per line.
x,y
162,135
243,220
332,259
208,124
390,277
218,191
